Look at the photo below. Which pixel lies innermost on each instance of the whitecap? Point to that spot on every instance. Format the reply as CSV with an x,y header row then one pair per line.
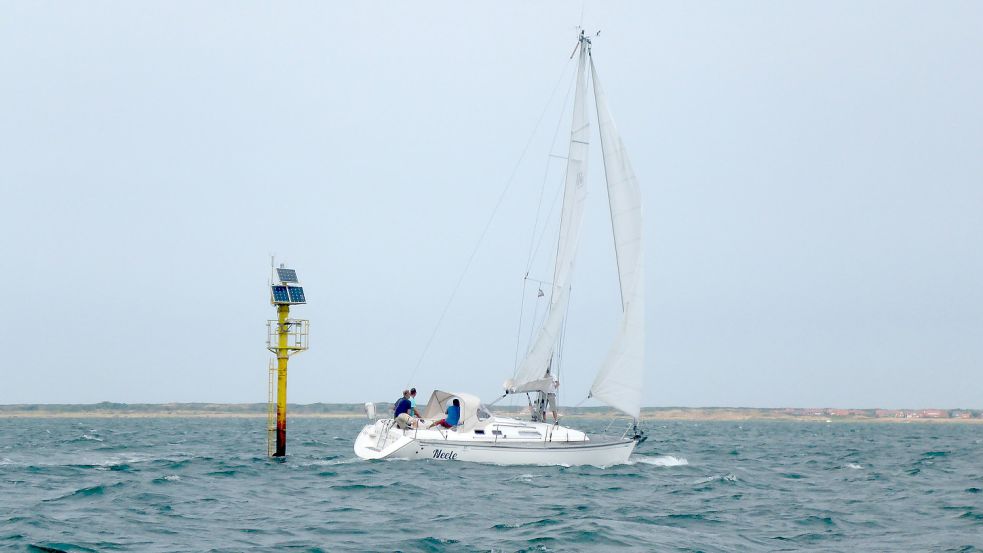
x,y
172,477
854,466
662,461
92,438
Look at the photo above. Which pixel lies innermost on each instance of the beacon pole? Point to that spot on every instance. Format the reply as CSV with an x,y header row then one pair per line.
x,y
282,355
284,338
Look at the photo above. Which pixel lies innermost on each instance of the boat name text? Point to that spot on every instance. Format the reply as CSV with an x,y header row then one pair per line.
x,y
441,454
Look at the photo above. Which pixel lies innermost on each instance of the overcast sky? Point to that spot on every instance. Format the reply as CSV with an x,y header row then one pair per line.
x,y
812,175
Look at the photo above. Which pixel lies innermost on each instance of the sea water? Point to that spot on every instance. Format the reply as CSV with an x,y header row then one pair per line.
x,y
195,484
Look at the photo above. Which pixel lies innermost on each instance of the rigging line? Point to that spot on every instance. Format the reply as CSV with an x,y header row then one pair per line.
x,y
533,244
546,174
518,331
491,218
607,185
499,398
561,342
555,374
581,402
549,216
532,328
537,281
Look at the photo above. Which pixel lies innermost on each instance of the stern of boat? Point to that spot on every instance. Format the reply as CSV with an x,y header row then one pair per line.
x,y
380,440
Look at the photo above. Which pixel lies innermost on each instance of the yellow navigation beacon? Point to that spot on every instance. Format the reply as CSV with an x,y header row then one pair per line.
x,y
284,337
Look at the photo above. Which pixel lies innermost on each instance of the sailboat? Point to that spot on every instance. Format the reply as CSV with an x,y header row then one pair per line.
x,y
482,436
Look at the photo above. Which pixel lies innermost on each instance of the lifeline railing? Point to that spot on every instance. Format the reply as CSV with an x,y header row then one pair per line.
x,y
384,435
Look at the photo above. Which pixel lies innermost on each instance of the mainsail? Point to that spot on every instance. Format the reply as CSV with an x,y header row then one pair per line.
x,y
619,382
531,373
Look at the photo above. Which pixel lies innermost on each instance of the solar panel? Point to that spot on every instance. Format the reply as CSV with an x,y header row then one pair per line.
x,y
287,275
297,294
280,294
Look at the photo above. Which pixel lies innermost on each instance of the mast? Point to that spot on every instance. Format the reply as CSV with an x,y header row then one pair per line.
x,y
530,375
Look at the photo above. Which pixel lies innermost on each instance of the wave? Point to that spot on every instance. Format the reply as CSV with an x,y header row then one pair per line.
x,y
432,543
333,461
353,487
854,466
936,453
816,520
543,522
92,490
717,477
89,491
663,461
53,549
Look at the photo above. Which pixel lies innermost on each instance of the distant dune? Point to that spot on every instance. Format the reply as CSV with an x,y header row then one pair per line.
x,y
356,410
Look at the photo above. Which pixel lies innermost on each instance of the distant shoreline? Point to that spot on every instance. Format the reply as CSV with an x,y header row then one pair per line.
x,y
356,411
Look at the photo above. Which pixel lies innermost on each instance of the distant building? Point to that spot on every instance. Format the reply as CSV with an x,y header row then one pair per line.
x,y
934,414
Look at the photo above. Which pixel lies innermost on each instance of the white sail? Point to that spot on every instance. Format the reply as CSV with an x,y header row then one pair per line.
x,y
619,382
533,366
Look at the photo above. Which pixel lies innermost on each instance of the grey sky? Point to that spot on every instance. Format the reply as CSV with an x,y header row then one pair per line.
x,y
812,173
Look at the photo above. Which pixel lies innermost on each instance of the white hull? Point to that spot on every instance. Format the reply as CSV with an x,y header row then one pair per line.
x,y
559,445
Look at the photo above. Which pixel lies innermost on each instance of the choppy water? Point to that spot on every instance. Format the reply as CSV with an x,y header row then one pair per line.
x,y
206,485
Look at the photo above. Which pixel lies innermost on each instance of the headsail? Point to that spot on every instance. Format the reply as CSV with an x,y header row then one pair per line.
x,y
619,382
530,374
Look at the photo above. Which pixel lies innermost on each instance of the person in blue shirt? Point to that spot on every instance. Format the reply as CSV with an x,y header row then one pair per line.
x,y
413,410
402,411
453,416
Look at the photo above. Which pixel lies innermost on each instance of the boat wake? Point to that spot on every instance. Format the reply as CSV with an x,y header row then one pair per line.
x,y
661,461
332,462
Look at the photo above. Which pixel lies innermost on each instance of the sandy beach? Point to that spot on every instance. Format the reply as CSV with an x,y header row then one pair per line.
x,y
355,411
